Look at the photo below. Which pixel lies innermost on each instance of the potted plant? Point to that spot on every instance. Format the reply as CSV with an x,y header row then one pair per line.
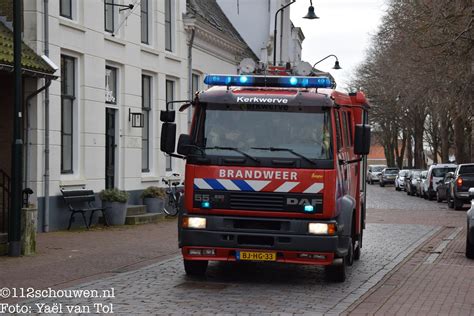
x,y
154,199
115,202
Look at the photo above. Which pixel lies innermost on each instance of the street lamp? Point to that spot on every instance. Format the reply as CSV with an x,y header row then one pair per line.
x,y
336,64
311,15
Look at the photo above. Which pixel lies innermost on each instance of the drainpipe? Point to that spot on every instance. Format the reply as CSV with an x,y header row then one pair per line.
x,y
190,70
28,127
46,123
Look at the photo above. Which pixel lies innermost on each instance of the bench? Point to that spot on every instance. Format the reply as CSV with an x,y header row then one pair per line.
x,y
76,200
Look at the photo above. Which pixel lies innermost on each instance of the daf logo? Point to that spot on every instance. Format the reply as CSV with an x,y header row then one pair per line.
x,y
295,201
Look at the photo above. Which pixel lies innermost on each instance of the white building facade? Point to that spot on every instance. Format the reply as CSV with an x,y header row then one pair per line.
x,y
255,21
114,61
116,58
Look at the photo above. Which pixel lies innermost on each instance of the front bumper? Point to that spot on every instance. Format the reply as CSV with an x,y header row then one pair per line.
x,y
289,238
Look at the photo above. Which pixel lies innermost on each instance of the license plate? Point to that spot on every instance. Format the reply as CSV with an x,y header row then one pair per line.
x,y
255,256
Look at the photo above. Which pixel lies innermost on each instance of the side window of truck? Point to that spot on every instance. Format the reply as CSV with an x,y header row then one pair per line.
x,y
349,127
338,131
345,128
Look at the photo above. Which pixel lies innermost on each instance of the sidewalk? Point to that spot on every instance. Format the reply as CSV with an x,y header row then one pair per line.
x,y
67,258
437,279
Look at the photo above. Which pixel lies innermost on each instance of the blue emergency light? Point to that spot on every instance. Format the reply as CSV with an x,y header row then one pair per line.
x,y
268,81
308,208
205,204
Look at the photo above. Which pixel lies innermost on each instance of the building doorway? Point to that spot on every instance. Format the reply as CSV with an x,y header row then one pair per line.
x,y
110,147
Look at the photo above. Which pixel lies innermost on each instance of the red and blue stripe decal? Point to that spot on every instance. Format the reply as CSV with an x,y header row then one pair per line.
x,y
257,185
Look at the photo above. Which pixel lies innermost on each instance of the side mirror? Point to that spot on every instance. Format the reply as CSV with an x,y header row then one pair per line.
x,y
471,193
167,116
362,139
168,137
184,144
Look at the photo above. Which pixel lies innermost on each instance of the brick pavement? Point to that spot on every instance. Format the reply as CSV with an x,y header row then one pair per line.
x,y
257,288
66,258
437,279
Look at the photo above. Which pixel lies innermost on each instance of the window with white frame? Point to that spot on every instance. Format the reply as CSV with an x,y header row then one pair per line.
x,y
146,110
144,8
68,97
168,25
170,91
110,85
65,8
109,15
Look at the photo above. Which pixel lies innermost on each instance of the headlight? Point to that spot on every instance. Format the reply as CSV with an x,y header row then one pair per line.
x,y
322,229
194,222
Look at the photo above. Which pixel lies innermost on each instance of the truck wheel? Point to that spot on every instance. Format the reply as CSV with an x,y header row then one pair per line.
x,y
336,273
357,251
350,253
195,267
469,246
457,203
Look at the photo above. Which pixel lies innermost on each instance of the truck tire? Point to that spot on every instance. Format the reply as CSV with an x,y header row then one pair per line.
x,y
195,267
350,253
457,203
469,246
336,273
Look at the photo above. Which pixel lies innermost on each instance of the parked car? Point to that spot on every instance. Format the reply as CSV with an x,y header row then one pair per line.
x,y
373,172
460,184
400,180
470,227
442,189
410,181
387,176
436,173
419,183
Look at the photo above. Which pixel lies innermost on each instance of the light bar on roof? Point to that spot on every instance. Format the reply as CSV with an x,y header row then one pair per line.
x,y
268,81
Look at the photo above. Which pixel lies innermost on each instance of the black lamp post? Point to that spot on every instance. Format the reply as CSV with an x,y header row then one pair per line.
x,y
336,64
311,15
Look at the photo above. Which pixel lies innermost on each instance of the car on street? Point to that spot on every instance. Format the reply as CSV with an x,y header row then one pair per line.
x,y
400,180
436,173
470,227
410,181
387,176
442,189
373,172
461,183
419,184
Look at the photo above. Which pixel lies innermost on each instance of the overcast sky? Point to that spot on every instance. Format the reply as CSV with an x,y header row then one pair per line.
x,y
344,28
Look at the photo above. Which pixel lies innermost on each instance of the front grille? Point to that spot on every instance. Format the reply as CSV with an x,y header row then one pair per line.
x,y
257,201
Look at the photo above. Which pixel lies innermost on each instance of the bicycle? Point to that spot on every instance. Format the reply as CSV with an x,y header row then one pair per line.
x,y
175,195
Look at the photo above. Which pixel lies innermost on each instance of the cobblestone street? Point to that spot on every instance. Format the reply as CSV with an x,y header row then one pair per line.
x,y
260,288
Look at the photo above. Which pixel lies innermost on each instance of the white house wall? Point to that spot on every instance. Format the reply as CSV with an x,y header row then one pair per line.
x,y
93,48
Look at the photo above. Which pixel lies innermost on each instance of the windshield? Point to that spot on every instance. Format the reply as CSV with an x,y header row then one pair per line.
x,y
440,172
391,171
377,169
304,131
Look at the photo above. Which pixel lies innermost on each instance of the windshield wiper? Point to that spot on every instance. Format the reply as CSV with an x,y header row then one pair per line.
x,y
243,153
285,149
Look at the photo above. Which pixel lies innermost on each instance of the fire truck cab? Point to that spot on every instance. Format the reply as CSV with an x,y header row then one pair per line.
x,y
275,171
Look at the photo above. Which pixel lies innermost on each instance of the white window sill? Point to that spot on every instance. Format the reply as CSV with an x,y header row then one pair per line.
x,y
172,57
71,24
149,49
114,39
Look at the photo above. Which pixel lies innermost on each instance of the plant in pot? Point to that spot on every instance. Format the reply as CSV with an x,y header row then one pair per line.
x,y
154,199
115,202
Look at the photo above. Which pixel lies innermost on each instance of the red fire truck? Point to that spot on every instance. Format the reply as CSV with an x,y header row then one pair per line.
x,y
274,172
